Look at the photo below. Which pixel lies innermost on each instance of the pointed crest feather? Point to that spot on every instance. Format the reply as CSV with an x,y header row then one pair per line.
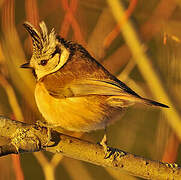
x,y
43,44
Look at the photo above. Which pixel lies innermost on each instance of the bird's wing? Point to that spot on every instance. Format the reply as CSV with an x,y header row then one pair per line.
x,y
92,87
120,94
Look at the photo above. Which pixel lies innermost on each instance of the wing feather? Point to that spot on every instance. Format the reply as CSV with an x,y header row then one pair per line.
x,y
119,94
90,87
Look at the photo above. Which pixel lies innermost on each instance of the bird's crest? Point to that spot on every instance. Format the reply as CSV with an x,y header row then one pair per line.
x,y
43,44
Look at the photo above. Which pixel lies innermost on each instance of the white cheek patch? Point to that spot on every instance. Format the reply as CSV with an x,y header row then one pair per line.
x,y
63,59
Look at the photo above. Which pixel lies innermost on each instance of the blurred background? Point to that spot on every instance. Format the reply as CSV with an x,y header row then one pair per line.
x,y
145,55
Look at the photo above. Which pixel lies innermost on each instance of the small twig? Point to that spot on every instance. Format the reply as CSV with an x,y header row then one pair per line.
x,y
116,30
32,138
71,20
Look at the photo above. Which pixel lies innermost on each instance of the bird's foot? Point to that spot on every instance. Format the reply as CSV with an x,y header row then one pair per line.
x,y
41,123
49,137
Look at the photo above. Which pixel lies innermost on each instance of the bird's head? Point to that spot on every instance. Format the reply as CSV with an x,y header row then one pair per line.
x,y
49,54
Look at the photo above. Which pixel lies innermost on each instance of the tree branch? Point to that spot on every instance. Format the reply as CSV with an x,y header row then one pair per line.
x,y
31,138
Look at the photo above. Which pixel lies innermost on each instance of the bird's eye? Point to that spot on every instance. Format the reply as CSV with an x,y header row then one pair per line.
x,y
43,62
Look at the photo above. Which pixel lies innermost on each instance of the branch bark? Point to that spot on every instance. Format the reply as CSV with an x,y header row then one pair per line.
x,y
31,138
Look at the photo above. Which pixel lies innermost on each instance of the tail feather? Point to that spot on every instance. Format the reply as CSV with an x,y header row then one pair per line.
x,y
126,101
154,103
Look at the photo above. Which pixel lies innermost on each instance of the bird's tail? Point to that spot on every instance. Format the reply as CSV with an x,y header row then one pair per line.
x,y
153,103
126,101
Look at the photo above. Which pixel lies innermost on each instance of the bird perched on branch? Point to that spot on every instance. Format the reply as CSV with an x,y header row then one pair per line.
x,y
73,90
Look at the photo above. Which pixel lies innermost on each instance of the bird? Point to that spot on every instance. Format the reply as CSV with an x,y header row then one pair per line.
x,y
73,90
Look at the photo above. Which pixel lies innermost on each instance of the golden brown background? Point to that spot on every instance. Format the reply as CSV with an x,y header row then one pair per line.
x,y
145,131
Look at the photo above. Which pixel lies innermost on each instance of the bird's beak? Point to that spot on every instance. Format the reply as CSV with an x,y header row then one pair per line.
x,y
26,65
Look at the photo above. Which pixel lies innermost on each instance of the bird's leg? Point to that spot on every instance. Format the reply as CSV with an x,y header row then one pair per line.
x,y
103,142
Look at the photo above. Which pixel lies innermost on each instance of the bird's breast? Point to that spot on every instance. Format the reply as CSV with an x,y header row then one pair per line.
x,y
75,113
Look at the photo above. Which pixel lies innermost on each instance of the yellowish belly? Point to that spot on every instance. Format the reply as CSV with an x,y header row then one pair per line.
x,y
74,114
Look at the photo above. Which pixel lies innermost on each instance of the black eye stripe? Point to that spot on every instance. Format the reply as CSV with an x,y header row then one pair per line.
x,y
58,61
57,50
44,62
